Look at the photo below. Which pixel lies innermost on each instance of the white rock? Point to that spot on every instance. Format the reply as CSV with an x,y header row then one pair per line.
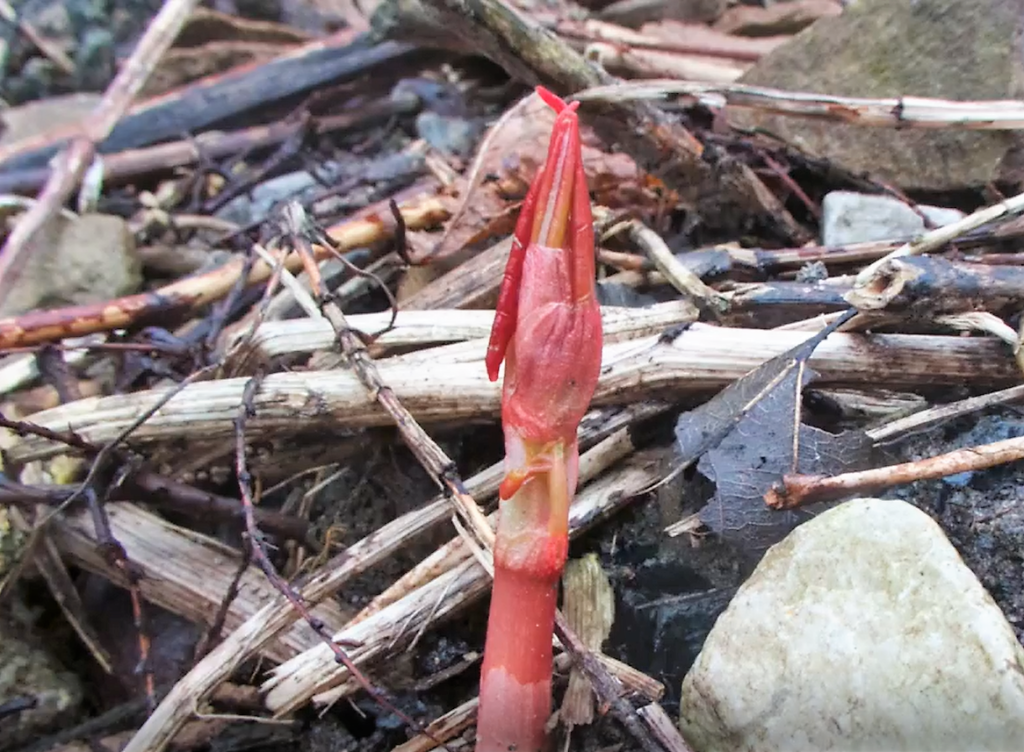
x,y
862,630
849,217
87,259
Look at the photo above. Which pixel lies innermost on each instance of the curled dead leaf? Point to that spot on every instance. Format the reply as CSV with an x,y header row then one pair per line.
x,y
509,156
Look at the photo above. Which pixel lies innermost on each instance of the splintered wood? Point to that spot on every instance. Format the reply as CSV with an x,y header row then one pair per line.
x,y
186,573
701,358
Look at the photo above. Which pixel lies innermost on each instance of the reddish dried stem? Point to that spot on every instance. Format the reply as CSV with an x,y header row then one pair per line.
x,y
801,490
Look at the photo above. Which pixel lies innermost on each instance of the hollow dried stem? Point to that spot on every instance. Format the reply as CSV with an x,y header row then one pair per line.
x,y
700,359
799,490
894,112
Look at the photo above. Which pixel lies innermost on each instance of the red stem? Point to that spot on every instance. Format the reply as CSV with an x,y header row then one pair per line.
x,y
515,683
515,688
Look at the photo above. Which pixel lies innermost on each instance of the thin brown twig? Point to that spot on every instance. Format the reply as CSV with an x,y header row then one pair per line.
x,y
108,451
213,634
272,619
51,565
117,557
223,310
799,490
298,227
54,369
783,174
608,690
663,728
258,552
71,164
433,459
113,551
159,490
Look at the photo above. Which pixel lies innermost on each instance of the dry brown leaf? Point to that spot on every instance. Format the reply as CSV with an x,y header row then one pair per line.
x,y
213,42
684,37
509,156
778,18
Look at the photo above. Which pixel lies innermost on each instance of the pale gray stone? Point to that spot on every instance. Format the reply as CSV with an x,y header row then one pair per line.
x,y
949,49
849,217
257,205
862,630
27,669
75,261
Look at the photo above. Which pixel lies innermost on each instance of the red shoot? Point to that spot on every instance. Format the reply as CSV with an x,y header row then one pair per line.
x,y
547,330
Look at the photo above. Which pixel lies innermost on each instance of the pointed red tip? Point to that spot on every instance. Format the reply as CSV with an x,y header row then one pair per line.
x,y
554,101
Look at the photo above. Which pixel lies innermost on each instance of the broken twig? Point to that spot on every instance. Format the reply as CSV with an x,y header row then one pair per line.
x,y
934,239
799,490
895,112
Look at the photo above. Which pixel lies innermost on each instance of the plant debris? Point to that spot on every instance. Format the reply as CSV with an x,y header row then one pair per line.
x,y
250,450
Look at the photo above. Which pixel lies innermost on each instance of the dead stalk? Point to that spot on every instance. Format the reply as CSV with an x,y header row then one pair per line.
x,y
701,358
182,571
898,112
941,413
431,327
799,490
675,273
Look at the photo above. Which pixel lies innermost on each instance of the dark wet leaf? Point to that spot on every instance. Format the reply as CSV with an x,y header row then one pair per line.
x,y
744,439
615,294
757,453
